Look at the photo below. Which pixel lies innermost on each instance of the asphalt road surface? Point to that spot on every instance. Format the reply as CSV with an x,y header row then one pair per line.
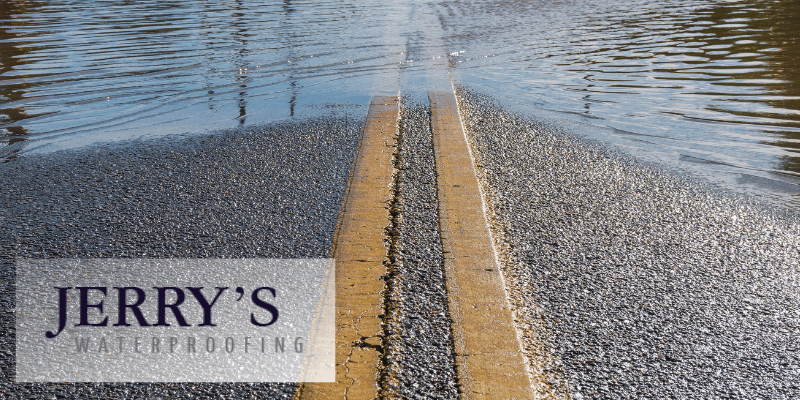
x,y
627,281
632,282
272,191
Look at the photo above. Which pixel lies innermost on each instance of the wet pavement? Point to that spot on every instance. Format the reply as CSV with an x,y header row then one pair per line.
x,y
272,191
631,281
420,358
627,280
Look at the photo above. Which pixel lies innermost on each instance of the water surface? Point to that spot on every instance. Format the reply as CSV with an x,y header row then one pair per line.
x,y
80,72
708,86
712,87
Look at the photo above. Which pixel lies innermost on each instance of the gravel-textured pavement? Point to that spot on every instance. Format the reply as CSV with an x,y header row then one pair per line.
x,y
419,359
627,281
634,282
272,191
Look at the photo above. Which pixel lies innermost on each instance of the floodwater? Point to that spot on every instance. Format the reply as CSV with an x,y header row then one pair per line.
x,y
708,86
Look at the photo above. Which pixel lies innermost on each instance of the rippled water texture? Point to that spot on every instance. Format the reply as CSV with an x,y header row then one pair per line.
x,y
76,72
709,86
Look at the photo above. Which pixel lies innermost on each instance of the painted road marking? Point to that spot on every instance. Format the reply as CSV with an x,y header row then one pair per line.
x,y
489,359
360,250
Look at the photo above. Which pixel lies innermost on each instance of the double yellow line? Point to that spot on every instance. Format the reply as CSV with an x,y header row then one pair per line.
x,y
489,361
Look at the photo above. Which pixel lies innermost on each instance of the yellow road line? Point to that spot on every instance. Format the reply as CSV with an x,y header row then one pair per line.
x,y
489,359
360,251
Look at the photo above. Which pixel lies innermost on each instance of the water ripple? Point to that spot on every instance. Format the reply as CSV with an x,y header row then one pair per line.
x,y
101,70
721,79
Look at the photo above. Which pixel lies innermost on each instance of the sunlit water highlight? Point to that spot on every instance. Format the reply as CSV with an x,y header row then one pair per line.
x,y
711,86
84,72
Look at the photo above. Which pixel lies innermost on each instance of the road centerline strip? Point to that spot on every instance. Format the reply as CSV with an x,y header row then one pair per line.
x,y
489,359
360,252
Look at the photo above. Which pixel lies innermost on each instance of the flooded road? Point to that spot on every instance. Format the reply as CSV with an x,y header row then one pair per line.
x,y
626,280
710,87
76,73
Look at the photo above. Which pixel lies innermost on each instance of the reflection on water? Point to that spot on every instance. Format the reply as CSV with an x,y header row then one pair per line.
x,y
710,85
781,22
11,56
78,72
